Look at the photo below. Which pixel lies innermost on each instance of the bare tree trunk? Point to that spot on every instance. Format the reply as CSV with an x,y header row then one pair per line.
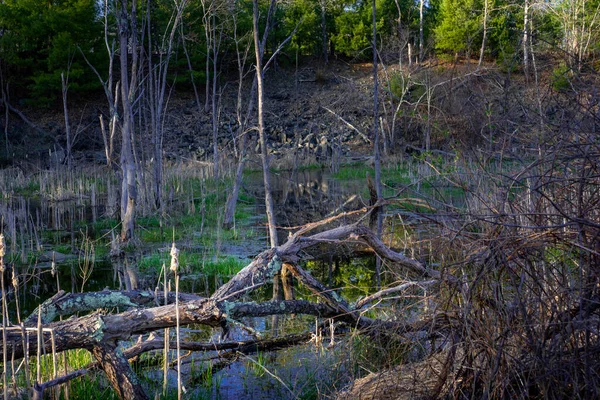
x,y
207,35
100,332
486,12
258,49
526,39
152,85
399,32
158,87
237,183
189,63
65,88
128,167
323,4
112,96
232,199
231,204
421,35
376,145
119,372
215,119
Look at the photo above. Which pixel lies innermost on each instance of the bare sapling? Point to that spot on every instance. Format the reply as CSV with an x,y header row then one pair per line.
x,y
65,89
157,85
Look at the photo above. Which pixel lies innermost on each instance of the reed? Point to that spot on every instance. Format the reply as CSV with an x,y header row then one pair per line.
x,y
167,335
4,320
174,268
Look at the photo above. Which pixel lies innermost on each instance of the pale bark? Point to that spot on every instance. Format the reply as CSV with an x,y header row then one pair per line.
x,y
486,16
376,139
215,117
526,38
65,86
241,121
157,85
259,50
127,31
112,96
421,35
232,199
239,174
100,332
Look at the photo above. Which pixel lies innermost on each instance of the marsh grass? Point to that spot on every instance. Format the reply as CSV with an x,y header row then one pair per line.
x,y
195,201
194,263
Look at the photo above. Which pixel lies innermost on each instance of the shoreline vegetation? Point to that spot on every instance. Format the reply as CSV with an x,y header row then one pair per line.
x,y
300,200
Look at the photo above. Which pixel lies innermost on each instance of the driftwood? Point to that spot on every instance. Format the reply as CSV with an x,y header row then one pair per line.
x,y
100,332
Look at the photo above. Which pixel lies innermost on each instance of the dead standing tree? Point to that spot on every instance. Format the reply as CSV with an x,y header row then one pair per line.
x,y
157,88
127,26
101,333
259,51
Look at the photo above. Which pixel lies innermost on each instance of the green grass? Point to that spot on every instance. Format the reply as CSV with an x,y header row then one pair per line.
x,y
390,176
30,189
91,387
193,263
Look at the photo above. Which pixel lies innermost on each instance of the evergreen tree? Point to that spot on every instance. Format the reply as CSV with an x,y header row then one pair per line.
x,y
40,40
459,26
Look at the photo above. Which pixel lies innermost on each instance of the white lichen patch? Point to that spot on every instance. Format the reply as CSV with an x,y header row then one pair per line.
x,y
273,267
98,330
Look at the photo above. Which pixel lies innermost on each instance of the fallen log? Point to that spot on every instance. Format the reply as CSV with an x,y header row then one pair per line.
x,y
100,332
231,351
64,304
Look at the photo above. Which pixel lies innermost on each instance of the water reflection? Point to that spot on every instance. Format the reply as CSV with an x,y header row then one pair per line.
x,y
301,197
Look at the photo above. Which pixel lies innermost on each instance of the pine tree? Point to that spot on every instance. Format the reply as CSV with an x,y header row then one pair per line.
x,y
459,27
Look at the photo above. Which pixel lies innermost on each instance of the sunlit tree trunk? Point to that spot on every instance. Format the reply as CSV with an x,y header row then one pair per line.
x,y
261,131
232,200
421,35
526,38
401,45
486,13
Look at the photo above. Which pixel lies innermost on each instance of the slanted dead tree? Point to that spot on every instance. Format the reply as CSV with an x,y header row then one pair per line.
x,y
102,332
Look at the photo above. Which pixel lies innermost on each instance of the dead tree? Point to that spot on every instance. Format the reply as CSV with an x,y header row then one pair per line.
x,y
101,332
259,51
157,85
127,26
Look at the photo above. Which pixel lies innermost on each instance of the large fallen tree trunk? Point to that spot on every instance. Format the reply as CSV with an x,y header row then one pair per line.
x,y
100,333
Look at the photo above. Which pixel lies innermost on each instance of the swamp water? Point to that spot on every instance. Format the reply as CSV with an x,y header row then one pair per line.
x,y
73,234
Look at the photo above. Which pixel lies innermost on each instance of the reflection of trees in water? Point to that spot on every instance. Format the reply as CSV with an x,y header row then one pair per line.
x,y
305,196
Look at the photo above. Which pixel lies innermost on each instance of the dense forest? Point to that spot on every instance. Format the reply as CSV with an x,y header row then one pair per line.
x,y
300,199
